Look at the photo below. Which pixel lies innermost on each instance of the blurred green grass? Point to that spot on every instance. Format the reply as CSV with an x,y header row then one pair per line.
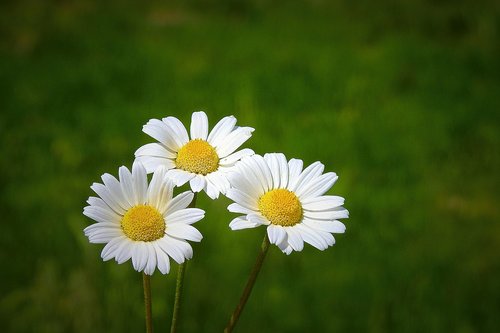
x,y
400,99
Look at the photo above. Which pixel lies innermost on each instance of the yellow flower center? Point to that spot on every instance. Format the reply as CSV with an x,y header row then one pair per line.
x,y
197,156
281,207
143,223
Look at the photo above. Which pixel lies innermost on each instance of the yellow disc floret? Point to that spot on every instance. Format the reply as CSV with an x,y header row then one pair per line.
x,y
143,223
197,156
281,207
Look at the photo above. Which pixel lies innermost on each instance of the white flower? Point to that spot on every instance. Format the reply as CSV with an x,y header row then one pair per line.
x,y
290,202
142,222
203,160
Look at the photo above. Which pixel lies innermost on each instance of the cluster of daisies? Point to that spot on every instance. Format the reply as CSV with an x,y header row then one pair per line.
x,y
141,219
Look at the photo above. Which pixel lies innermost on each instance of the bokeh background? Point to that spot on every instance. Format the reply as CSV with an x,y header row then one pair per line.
x,y
400,98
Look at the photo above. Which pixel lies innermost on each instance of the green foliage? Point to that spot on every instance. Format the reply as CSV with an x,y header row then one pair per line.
x,y
399,98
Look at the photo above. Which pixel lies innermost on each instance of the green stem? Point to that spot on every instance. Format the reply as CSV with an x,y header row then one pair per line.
x,y
146,281
179,286
178,294
248,288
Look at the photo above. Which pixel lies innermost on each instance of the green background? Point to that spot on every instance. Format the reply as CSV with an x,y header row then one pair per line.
x,y
401,99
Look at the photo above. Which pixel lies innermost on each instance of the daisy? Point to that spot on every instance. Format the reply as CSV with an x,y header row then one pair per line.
x,y
203,159
140,221
288,200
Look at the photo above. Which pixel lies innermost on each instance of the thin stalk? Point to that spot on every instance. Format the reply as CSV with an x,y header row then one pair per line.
x,y
248,288
179,287
146,281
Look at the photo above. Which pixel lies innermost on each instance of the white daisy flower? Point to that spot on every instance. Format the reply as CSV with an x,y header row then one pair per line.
x,y
288,200
142,222
202,160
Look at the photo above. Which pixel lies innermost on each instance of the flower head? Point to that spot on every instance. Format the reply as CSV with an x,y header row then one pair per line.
x,y
142,221
288,200
202,159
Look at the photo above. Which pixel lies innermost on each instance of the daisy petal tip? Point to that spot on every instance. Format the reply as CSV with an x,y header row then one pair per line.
x,y
236,227
163,270
149,271
199,112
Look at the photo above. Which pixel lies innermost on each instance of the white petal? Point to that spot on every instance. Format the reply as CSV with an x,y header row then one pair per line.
x,y
181,201
235,157
221,130
237,180
162,259
219,180
326,226
276,234
294,239
251,171
212,190
99,233
98,202
151,163
322,203
284,246
101,215
188,216
155,150
127,185
319,186
242,198
180,131
180,177
160,131
265,173
184,231
197,183
199,125
258,219
336,213
143,259
109,251
114,188
100,239
294,170
140,179
103,192
305,178
233,141
310,236
328,237
151,262
125,251
283,170
237,208
101,225
139,256
183,246
241,223
160,190
176,249
274,167
103,237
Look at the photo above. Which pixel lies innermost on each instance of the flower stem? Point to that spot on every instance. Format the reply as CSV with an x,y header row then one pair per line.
x,y
146,281
178,287
248,288
178,294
